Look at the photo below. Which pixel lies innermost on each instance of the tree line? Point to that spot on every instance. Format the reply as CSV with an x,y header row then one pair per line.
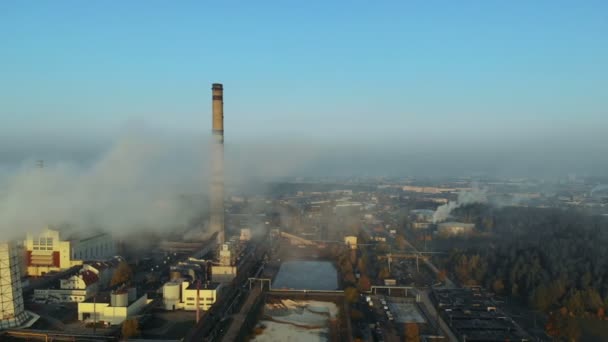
x,y
554,260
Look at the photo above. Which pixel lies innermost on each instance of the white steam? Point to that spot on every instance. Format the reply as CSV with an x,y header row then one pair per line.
x,y
476,195
144,182
136,184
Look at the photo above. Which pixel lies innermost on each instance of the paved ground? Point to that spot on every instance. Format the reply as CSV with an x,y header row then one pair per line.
x,y
167,322
239,319
389,331
405,312
434,317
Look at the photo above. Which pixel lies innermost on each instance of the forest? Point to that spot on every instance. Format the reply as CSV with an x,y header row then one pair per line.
x,y
554,260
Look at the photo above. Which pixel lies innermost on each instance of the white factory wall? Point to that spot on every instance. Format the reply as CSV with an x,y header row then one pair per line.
x,y
177,296
103,312
99,247
46,253
63,295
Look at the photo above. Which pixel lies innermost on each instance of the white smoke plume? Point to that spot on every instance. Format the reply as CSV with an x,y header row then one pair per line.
x,y
476,195
600,187
136,184
145,182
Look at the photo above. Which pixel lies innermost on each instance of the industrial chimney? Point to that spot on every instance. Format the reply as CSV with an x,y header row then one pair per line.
x,y
217,178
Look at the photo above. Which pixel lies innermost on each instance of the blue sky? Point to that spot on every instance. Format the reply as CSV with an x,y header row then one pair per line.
x,y
336,71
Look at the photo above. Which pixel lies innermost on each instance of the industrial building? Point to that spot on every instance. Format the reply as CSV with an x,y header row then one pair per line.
x,y
46,253
80,285
75,288
245,234
12,311
225,271
181,294
103,269
434,189
455,228
113,308
351,241
99,246
473,315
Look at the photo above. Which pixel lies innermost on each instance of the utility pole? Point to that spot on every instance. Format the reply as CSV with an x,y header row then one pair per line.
x,y
198,308
94,314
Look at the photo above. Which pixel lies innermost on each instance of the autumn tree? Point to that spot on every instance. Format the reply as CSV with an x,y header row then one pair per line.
x,y
351,294
575,303
412,332
384,273
130,328
361,265
563,326
442,275
122,274
382,247
498,286
349,278
400,241
592,299
540,298
364,283
356,315
353,257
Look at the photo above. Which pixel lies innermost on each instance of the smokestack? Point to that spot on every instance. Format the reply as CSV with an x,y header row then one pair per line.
x,y
217,181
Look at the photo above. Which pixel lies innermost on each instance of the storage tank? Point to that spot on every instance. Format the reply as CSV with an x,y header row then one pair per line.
x,y
119,299
171,291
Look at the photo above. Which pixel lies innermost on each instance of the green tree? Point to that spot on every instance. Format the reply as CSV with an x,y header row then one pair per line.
x,y
592,300
540,299
575,303
122,274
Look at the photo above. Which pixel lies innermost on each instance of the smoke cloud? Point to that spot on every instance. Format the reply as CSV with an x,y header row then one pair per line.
x,y
476,195
137,183
146,181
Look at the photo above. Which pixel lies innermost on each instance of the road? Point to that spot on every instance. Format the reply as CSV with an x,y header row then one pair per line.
x,y
239,319
447,282
433,315
430,308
